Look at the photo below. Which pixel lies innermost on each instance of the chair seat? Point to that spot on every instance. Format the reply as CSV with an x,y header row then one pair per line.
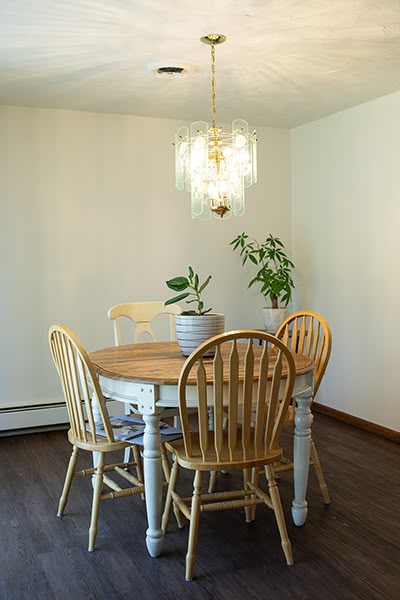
x,y
237,461
101,445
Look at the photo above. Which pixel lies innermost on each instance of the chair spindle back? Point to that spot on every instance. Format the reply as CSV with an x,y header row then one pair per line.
x,y
250,383
83,396
306,332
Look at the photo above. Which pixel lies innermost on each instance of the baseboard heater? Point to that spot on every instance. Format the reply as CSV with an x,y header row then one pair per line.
x,y
27,418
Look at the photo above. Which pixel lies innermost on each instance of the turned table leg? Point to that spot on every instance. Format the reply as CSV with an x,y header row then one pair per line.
x,y
301,454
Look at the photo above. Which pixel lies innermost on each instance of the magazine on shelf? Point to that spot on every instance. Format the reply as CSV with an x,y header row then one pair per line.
x,y
128,429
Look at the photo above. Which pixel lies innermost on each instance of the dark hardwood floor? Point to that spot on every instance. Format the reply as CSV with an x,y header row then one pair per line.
x,y
347,551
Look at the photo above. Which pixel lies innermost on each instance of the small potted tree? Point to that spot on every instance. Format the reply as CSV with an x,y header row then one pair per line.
x,y
274,275
196,325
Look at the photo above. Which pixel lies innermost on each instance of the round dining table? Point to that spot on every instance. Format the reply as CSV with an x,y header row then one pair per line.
x,y
147,375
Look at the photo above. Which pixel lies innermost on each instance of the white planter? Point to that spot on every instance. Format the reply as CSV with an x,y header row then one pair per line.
x,y
273,317
193,330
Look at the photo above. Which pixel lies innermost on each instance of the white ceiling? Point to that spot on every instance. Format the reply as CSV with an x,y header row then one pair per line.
x,y
285,62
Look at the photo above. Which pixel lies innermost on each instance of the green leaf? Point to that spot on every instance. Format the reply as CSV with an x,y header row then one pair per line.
x,y
253,281
178,284
205,284
176,299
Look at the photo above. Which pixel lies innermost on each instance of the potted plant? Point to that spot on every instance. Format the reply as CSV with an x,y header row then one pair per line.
x,y
274,274
193,326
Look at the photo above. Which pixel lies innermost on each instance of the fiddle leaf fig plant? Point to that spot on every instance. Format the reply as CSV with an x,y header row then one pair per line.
x,y
195,287
274,267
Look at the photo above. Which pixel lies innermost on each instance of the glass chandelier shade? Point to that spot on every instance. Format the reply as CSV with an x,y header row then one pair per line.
x,y
213,165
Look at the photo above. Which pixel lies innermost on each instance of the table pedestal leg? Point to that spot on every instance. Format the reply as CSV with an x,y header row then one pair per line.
x,y
301,456
153,483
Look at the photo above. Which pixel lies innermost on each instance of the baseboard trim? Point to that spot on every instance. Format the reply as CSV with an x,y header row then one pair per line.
x,y
29,418
385,432
54,416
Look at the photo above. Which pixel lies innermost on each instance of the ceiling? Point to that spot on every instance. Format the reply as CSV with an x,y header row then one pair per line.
x,y
285,62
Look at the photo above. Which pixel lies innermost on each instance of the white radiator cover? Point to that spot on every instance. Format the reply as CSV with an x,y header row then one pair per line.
x,y
41,415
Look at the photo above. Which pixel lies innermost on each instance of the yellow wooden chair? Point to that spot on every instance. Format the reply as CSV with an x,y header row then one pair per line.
x,y
228,384
90,427
141,315
308,333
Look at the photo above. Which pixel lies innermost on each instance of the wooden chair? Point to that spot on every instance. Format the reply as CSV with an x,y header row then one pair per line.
x,y
227,382
88,415
142,314
308,333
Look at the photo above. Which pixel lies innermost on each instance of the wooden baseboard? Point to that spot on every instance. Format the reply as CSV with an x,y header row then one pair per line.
x,y
389,434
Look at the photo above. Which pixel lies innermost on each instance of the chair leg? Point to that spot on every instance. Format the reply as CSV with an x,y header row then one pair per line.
x,y
68,481
165,463
212,481
194,525
248,510
98,486
127,454
167,474
254,480
279,516
138,460
168,502
318,471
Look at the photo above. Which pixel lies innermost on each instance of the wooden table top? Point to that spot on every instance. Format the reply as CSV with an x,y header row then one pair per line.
x,y
161,362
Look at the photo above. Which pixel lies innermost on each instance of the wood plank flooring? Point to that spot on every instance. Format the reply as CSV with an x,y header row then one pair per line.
x,y
347,551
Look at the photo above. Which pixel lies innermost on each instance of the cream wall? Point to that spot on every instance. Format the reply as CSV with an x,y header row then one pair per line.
x,y
89,217
346,218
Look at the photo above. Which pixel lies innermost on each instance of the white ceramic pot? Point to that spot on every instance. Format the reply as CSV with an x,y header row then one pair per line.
x,y
193,330
273,317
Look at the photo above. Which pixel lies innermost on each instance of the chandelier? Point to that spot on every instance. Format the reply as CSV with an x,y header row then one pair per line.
x,y
213,165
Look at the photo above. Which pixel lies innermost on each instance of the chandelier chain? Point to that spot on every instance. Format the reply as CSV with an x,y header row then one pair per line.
x,y
214,108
